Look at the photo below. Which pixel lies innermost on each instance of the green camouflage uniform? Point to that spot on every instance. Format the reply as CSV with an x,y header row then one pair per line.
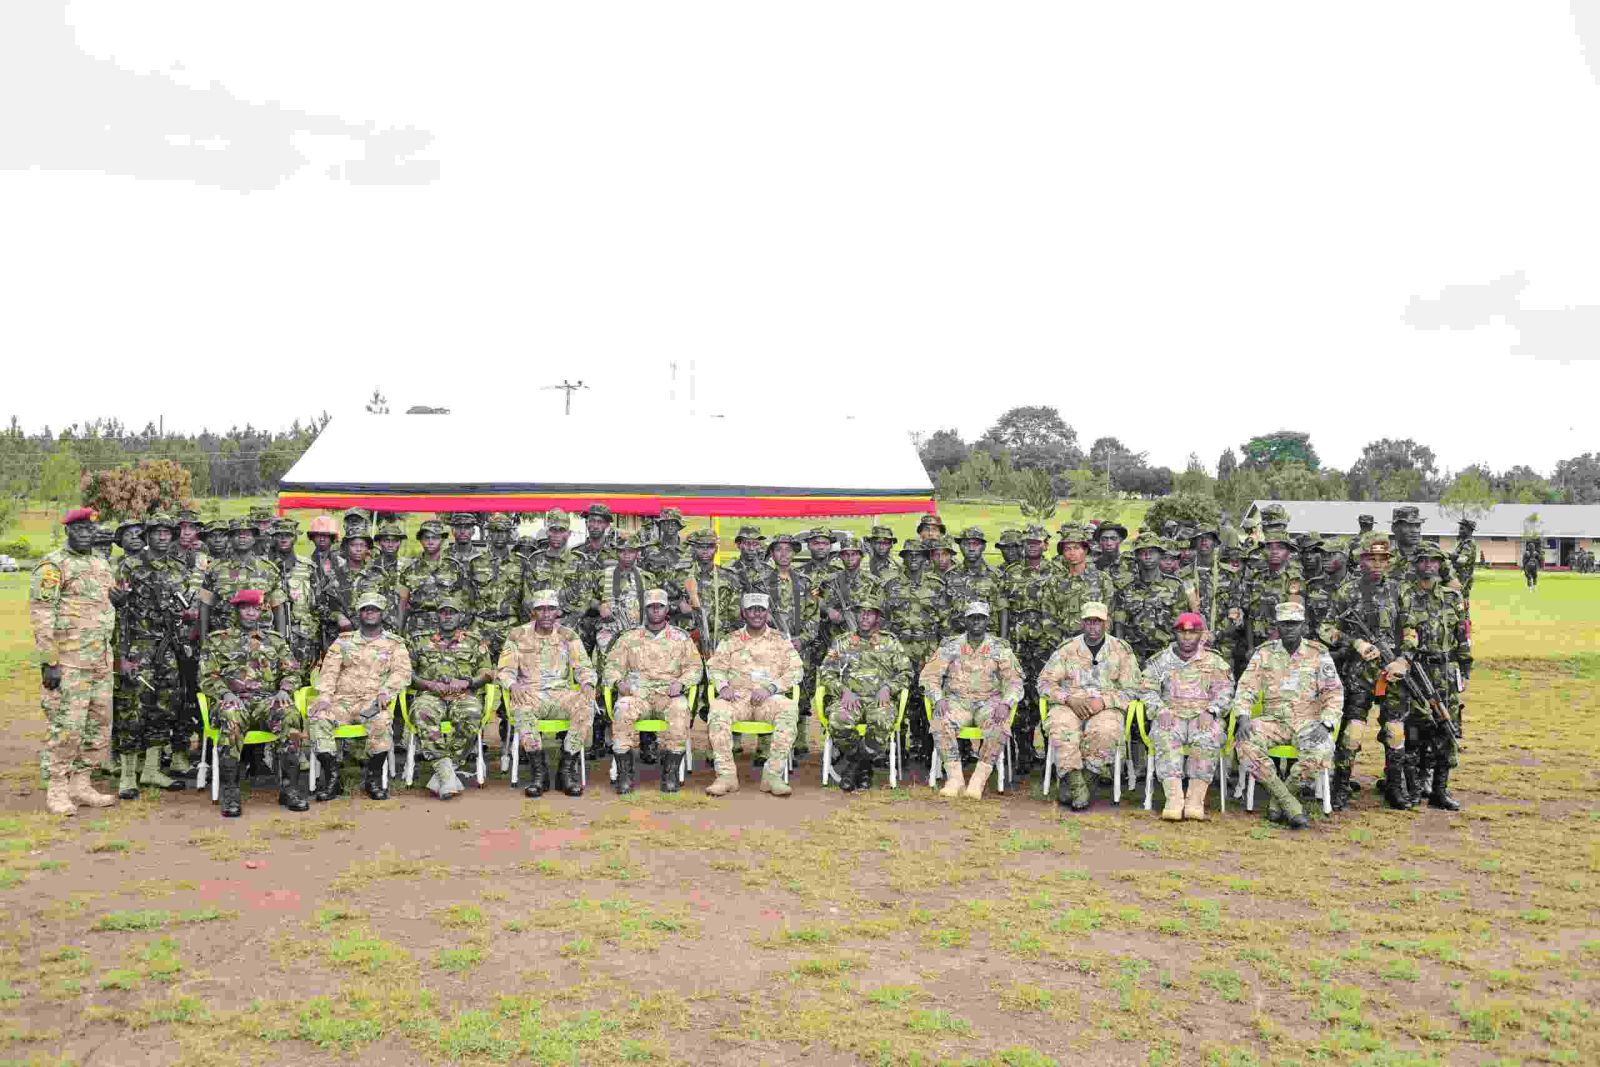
x,y
1145,612
230,576
426,582
242,673
1376,604
436,657
151,640
305,624
498,582
863,666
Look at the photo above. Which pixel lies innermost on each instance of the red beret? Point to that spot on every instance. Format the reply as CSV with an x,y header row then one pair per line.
x,y
246,596
78,515
1189,621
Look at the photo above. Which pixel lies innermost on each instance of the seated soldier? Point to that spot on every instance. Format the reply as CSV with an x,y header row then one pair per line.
x,y
538,666
362,673
449,668
1302,698
861,673
652,666
1087,683
249,674
1187,690
972,680
752,672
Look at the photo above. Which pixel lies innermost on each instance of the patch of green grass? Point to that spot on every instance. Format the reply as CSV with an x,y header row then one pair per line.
x,y
121,979
937,1021
326,1024
460,959
1399,970
1224,982
362,950
460,917
155,919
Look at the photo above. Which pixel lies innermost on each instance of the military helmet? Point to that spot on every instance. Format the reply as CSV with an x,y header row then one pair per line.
x,y
430,527
973,533
882,533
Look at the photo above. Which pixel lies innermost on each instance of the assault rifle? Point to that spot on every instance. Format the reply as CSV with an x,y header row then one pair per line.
x,y
1417,683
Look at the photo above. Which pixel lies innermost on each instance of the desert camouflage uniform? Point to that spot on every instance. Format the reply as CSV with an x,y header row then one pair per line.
x,y
1185,703
69,604
1086,739
354,671
651,662
1297,692
744,662
863,666
437,658
967,679
241,673
551,663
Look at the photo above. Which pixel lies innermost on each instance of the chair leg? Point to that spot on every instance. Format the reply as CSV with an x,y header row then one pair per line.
x,y
894,759
933,768
411,757
1149,776
516,752
1250,793
1327,794
482,768
827,757
583,773
1049,765
1000,776
1222,793
204,769
1116,778
216,771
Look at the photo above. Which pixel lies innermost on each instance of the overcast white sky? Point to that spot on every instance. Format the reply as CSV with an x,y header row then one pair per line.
x,y
921,212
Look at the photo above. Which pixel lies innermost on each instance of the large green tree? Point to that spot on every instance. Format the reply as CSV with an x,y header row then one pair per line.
x,y
1282,446
1037,438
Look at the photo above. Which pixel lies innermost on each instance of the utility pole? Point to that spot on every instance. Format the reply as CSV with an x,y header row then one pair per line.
x,y
570,388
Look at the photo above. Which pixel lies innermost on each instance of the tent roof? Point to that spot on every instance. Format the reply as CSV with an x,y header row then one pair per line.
x,y
705,466
1503,520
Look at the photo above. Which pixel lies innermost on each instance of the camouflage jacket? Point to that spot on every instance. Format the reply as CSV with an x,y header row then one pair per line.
x,y
839,594
969,672
1186,687
497,581
965,584
358,668
69,604
1433,625
1111,672
250,664
160,589
1376,604
719,594
796,611
436,658
864,666
1321,592
651,662
1293,690
917,607
294,581
1207,580
425,582
1068,593
227,577
1264,590
566,572
1145,612
1025,599
1465,561
744,660
546,661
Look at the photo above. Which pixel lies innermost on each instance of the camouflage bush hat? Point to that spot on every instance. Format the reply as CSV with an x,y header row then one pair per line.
x,y
546,598
930,519
629,542
670,515
390,528
1274,515
942,543
372,599
358,533
1145,540
792,540
431,527
1009,537
1406,513
1199,530
749,533
849,542
259,513
241,526
1308,541
703,536
973,533
914,547
1466,524
85,515
556,519
1291,611
1111,524
159,519
1169,546
1277,535
1335,545
1429,550
1033,532
656,596
285,526
869,600
1075,532
452,601
499,521
1365,518
353,516
882,533
221,526
598,511
462,518
187,514
821,533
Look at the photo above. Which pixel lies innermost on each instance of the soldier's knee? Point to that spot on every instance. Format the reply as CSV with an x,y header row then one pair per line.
x,y
1351,736
1394,734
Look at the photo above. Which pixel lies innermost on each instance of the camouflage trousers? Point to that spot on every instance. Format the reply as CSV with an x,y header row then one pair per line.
x,y
1315,757
1407,724
1360,678
1200,731
431,712
149,706
1084,740
630,709
1032,655
988,714
344,709
234,722
79,714
781,711
527,709
878,719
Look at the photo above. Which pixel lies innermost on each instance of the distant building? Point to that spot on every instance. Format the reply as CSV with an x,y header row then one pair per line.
x,y
1500,534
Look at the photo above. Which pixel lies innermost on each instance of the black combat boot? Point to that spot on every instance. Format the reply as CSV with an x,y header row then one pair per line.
x,y
228,786
328,785
649,749
1063,791
1440,796
846,764
599,740
373,777
867,755
1340,789
538,773
624,773
1409,778
289,795
670,762
1424,776
567,774
1394,779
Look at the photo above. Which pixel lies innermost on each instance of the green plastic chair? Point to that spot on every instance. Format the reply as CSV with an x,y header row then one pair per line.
x,y
971,733
656,726
353,731
819,709
546,727
1323,786
491,702
755,728
1123,757
213,734
1150,762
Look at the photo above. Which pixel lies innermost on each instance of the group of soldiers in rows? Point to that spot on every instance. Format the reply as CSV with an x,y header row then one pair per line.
x,y
233,612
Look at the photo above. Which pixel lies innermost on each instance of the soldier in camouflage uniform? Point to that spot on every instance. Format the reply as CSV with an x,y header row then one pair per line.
x,y
1323,588
1203,572
973,680
245,569
449,668
429,578
819,571
751,673
917,607
189,551
1301,697
622,587
1109,560
861,674
1465,558
462,550
249,673
1186,694
1025,622
497,582
559,568
1146,607
651,667
69,605
972,578
1433,641
717,591
666,554
384,573
1088,683
1276,581
294,585
1405,530
159,589
218,541
1367,604
596,550
328,566
930,527
539,665
1010,546
880,554
362,674
1077,581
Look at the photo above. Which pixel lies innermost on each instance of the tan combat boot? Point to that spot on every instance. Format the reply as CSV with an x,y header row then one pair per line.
x,y
57,799
152,770
980,778
1194,806
954,779
725,784
772,779
79,791
1173,788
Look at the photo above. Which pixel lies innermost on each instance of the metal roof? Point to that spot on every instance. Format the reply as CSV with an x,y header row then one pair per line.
x,y
1504,520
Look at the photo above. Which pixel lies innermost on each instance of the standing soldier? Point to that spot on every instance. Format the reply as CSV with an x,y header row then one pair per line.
x,y
1323,587
973,680
1434,643
327,581
1147,606
650,667
667,553
880,553
1276,581
245,569
750,569
972,578
1187,691
497,581
449,668
69,604
188,547
427,579
191,553
294,583
249,673
462,526
1405,525
538,667
1363,610
622,589
930,527
559,568
1464,559
1025,623
861,673
1109,560
596,550
751,673
1076,582
1203,572
1010,546
917,608
1301,703
158,592
386,572
1530,563
362,673
1088,683
217,542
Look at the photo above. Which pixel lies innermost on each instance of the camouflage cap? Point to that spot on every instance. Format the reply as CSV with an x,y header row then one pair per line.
x,y
189,515
353,516
1277,535
390,528
1075,532
556,519
1032,532
942,543
242,526
1406,513
1308,541
705,535
914,547
259,513
1094,609
973,533
358,533
1229,553
849,542
1274,515
930,519
499,521
371,599
545,598
976,607
882,533
821,533
285,526
1169,545
629,542
749,533
670,515
452,601
656,596
1291,611
1337,546
754,600
215,526
1200,529
598,511
430,527
792,540
1366,519
158,519
1429,550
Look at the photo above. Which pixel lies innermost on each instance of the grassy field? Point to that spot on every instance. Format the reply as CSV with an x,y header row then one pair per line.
x,y
890,929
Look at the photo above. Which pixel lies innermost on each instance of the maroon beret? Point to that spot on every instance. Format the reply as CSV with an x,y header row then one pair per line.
x,y
78,515
246,596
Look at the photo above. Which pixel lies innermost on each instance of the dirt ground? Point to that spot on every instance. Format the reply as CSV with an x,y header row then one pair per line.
x,y
888,928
